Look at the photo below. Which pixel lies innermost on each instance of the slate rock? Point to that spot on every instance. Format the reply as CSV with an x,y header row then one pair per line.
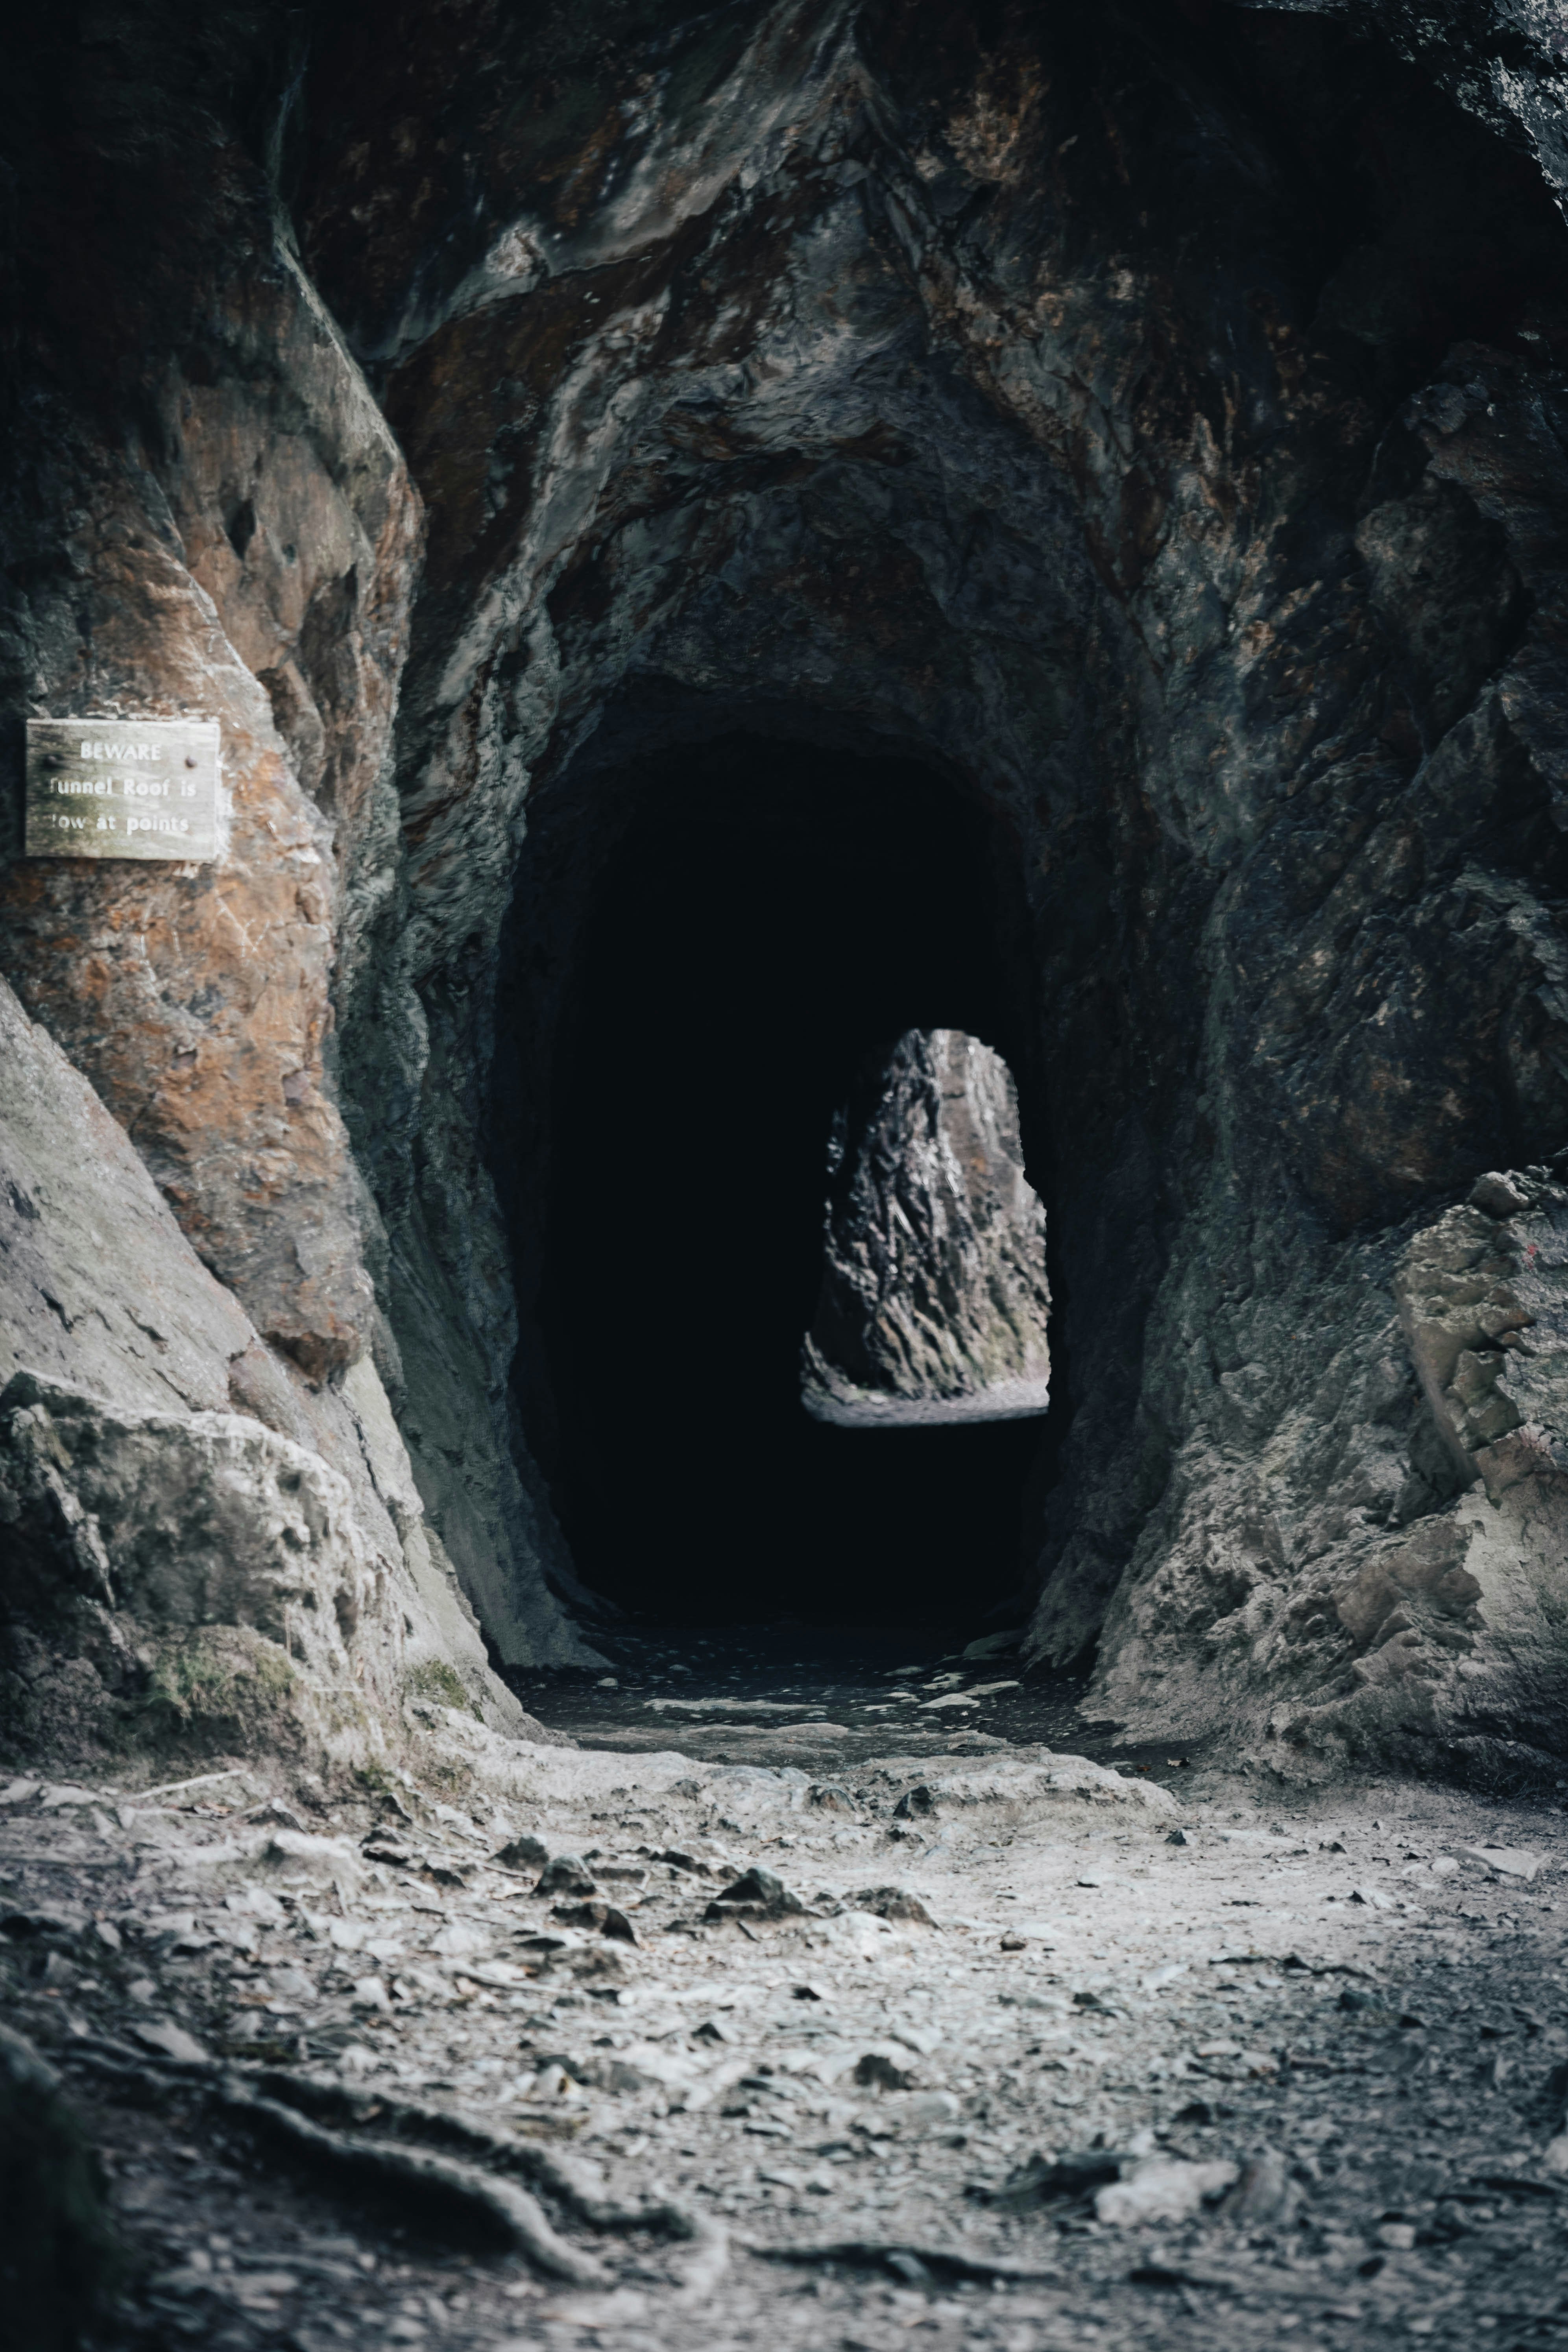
x,y
1506,1862
883,2070
996,1646
273,1813
523,1853
924,2111
755,1891
830,1798
1162,2188
1041,2178
605,1917
894,1903
1499,1194
1265,2193
170,2041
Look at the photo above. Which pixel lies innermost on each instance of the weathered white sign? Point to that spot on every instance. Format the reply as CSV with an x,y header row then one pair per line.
x,y
122,788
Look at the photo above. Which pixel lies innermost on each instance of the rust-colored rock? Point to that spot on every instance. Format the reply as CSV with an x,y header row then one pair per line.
x,y
262,582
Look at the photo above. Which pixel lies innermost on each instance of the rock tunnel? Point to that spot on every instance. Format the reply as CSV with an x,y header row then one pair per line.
x,y
629,630
711,541
764,914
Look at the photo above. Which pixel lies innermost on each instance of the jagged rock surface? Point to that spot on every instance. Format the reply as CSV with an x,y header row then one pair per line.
x,y
197,1543
935,1300
1361,1549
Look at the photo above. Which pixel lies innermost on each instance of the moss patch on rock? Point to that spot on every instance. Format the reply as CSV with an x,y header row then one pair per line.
x,y
222,1687
433,1679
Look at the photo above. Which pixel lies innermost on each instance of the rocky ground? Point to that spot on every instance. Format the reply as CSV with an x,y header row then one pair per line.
x,y
1006,2047
785,1693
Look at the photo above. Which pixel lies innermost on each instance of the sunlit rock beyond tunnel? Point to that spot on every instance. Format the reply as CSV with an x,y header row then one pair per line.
x,y
934,1303
784,1173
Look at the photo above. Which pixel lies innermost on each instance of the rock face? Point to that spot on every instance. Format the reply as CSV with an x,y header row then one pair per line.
x,y
251,558
198,1544
279,530
935,1300
1150,420
1361,1547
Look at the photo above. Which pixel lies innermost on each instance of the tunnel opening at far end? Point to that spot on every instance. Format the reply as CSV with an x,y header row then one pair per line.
x,y
717,939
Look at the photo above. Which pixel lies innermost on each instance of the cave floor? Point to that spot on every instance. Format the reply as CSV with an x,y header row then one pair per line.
x,y
817,1697
1026,2003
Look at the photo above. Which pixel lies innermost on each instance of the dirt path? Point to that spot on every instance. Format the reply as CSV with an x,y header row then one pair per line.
x,y
1025,2007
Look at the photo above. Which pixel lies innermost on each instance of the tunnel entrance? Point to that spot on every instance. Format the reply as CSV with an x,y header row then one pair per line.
x,y
769,915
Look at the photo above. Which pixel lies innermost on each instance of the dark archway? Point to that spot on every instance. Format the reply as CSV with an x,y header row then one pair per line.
x,y
769,913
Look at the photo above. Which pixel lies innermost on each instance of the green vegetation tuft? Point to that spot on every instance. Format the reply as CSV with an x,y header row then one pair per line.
x,y
433,1678
221,1684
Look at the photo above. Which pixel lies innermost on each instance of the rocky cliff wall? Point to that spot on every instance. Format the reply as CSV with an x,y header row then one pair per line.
x,y
201,1545
1081,409
1152,418
208,514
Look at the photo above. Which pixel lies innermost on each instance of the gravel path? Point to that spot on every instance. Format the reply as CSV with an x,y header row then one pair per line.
x,y
1004,2049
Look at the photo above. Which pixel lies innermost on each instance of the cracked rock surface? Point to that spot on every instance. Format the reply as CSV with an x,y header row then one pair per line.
x,y
200,1544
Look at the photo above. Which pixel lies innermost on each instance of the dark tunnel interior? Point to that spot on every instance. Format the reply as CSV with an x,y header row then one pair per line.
x,y
771,914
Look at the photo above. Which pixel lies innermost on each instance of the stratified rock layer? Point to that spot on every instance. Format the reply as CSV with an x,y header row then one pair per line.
x,y
935,1300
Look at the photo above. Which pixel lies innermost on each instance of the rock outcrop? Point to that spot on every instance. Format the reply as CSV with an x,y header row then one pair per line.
x,y
247,552
199,1544
59,2260
1361,1547
935,1300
